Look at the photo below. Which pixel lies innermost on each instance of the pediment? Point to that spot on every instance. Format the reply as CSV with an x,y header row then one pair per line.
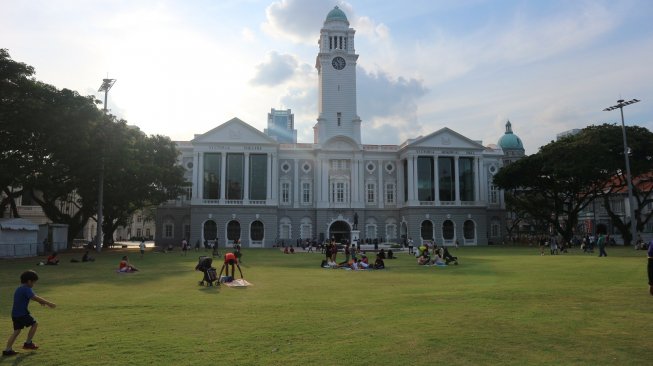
x,y
446,138
234,131
341,143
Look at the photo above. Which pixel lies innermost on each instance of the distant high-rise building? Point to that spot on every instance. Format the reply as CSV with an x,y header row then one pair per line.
x,y
571,132
281,126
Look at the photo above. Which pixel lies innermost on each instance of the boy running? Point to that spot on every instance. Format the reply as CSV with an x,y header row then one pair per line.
x,y
21,316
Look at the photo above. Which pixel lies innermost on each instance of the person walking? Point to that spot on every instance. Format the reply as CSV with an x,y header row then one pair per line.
x,y
601,244
141,246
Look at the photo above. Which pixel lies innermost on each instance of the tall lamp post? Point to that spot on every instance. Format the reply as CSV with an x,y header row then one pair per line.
x,y
633,222
106,85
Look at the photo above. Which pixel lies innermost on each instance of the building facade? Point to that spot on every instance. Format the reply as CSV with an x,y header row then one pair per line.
x,y
246,185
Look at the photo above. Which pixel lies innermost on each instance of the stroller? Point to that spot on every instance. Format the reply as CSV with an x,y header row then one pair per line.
x,y
210,274
448,258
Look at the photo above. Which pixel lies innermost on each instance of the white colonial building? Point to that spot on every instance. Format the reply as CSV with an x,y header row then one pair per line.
x,y
246,185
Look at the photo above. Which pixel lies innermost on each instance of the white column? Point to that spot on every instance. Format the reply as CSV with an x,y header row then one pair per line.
x,y
415,181
325,182
295,188
246,185
275,178
223,177
457,179
411,180
436,183
381,189
198,162
355,182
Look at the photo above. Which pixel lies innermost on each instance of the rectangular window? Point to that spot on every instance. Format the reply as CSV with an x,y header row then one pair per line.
x,y
212,169
168,230
189,192
186,231
258,172
285,192
371,188
446,178
306,192
339,118
466,178
425,178
390,193
139,218
147,233
138,233
494,193
340,192
235,176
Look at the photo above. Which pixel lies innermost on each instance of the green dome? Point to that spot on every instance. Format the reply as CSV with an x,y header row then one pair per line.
x,y
509,140
336,14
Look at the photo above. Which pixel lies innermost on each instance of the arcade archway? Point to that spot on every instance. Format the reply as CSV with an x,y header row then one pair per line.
x,y
339,230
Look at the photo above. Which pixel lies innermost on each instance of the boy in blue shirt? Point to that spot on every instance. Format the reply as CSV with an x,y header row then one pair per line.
x,y
21,316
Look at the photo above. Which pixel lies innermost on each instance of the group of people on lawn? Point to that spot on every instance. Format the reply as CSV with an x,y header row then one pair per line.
x,y
438,256
354,258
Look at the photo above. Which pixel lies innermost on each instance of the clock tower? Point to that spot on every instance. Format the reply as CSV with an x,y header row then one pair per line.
x,y
336,68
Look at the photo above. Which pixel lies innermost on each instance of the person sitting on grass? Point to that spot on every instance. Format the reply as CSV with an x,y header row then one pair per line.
x,y
448,258
53,259
87,258
361,265
424,258
391,255
125,266
438,259
378,263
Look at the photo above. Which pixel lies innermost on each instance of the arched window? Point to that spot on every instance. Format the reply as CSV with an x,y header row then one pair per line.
x,y
210,230
427,230
306,228
256,230
370,229
447,230
391,229
285,228
469,230
233,230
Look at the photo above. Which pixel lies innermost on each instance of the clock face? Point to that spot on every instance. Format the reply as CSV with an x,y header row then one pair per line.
x,y
338,63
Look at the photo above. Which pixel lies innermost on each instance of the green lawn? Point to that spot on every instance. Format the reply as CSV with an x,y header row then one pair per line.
x,y
501,305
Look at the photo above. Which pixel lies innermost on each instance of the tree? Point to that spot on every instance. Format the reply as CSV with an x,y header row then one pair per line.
x,y
143,172
559,181
56,142
614,188
553,185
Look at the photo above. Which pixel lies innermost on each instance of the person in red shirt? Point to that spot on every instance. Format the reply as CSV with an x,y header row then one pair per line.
x,y
230,260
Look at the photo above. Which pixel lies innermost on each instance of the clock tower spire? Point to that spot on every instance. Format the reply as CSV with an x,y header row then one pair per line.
x,y
336,68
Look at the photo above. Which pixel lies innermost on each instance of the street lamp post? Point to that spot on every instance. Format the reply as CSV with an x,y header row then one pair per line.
x,y
106,85
633,221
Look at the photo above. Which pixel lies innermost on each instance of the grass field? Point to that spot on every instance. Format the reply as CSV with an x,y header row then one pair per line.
x,y
501,305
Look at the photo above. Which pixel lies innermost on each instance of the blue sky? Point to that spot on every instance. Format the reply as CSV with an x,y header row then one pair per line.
x,y
184,67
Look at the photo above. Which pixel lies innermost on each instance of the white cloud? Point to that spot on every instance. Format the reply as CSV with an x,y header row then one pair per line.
x,y
275,70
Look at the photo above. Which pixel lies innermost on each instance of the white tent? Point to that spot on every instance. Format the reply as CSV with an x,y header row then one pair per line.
x,y
18,238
